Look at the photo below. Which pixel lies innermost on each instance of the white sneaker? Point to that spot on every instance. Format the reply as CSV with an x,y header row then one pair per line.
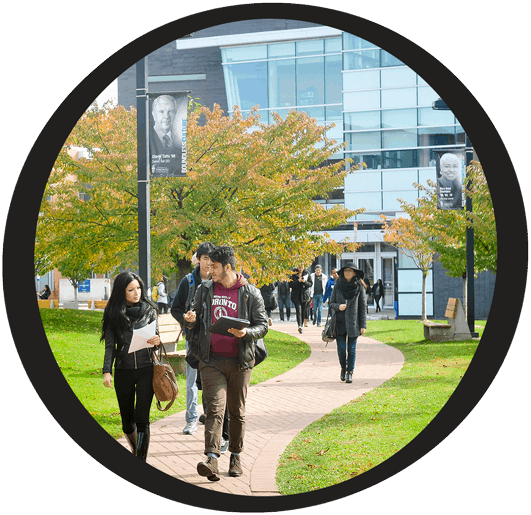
x,y
190,427
224,445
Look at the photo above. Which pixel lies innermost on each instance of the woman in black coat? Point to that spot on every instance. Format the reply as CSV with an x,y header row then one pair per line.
x,y
130,308
300,284
270,302
377,291
349,302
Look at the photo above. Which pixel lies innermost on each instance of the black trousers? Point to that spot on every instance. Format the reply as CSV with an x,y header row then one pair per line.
x,y
131,385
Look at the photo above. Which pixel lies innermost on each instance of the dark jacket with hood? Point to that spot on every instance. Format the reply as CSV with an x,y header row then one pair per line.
x,y
250,307
117,349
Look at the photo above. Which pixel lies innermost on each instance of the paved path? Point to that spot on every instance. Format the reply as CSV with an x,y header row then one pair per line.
x,y
276,411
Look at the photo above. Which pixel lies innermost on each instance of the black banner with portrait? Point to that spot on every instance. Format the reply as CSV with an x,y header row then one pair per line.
x,y
451,173
167,134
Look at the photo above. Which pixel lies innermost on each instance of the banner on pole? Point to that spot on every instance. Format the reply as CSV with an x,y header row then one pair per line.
x,y
451,173
167,134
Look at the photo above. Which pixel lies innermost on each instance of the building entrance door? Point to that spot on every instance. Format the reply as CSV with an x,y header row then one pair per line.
x,y
388,280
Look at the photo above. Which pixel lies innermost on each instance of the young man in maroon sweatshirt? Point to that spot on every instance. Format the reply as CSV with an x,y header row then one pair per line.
x,y
225,362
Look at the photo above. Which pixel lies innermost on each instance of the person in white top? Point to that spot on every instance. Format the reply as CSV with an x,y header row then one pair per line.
x,y
317,291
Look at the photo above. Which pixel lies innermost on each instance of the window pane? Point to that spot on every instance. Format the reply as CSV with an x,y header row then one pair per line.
x,y
399,180
400,159
390,198
282,83
405,97
244,53
314,112
390,60
430,116
398,77
399,118
333,79
427,96
361,60
363,140
433,136
370,201
361,100
363,181
333,45
351,42
282,50
360,121
246,84
399,139
368,161
425,174
354,81
310,81
334,114
311,47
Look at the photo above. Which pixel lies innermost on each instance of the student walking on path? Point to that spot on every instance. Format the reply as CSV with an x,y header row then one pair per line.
x,y
275,414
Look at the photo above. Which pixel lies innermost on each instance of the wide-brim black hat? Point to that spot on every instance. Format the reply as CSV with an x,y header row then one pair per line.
x,y
352,266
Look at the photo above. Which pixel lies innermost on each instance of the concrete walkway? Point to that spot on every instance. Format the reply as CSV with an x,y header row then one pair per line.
x,y
276,411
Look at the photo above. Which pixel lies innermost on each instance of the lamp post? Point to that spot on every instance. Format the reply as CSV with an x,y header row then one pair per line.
x,y
144,241
441,105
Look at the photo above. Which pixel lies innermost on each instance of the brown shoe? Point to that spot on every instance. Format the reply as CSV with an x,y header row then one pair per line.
x,y
209,469
235,467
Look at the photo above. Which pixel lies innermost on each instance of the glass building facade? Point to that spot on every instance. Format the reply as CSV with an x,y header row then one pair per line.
x,y
376,105
381,109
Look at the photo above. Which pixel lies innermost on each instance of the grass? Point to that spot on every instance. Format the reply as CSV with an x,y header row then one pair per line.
x,y
74,337
365,432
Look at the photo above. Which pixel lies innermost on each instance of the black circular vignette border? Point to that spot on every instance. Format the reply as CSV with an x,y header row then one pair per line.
x,y
38,359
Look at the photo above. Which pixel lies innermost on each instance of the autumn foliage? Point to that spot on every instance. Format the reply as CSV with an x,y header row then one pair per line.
x,y
249,185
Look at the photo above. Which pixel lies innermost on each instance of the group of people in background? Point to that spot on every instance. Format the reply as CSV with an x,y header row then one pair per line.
x,y
220,366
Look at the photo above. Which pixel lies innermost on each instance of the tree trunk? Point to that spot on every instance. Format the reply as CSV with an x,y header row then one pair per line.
x,y
424,308
465,295
184,266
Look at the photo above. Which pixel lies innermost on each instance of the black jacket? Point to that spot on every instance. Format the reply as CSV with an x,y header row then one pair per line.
x,y
118,352
354,318
250,307
179,306
300,292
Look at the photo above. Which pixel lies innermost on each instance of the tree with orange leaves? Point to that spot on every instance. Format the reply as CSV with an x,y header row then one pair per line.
x,y
249,185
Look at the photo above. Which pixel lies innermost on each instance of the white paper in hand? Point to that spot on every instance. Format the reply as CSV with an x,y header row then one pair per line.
x,y
141,336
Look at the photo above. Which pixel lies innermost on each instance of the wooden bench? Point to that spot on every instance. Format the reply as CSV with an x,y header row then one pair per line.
x,y
98,304
48,303
455,329
170,330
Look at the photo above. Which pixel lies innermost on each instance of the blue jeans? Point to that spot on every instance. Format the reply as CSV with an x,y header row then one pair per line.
x,y
318,307
191,392
284,302
346,362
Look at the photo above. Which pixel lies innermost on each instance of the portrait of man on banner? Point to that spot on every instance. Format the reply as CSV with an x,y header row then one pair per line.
x,y
167,134
451,172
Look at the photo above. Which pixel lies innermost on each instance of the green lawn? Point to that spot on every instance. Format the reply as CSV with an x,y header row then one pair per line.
x,y
74,337
365,432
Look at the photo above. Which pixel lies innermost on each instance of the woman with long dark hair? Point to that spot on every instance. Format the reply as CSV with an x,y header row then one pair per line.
x,y
349,302
130,308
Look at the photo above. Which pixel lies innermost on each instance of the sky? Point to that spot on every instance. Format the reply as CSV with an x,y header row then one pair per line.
x,y
109,93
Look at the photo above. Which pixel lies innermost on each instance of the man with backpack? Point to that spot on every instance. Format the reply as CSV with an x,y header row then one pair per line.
x,y
226,359
181,304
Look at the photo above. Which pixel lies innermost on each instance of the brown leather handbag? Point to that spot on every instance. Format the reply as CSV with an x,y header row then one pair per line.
x,y
164,382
